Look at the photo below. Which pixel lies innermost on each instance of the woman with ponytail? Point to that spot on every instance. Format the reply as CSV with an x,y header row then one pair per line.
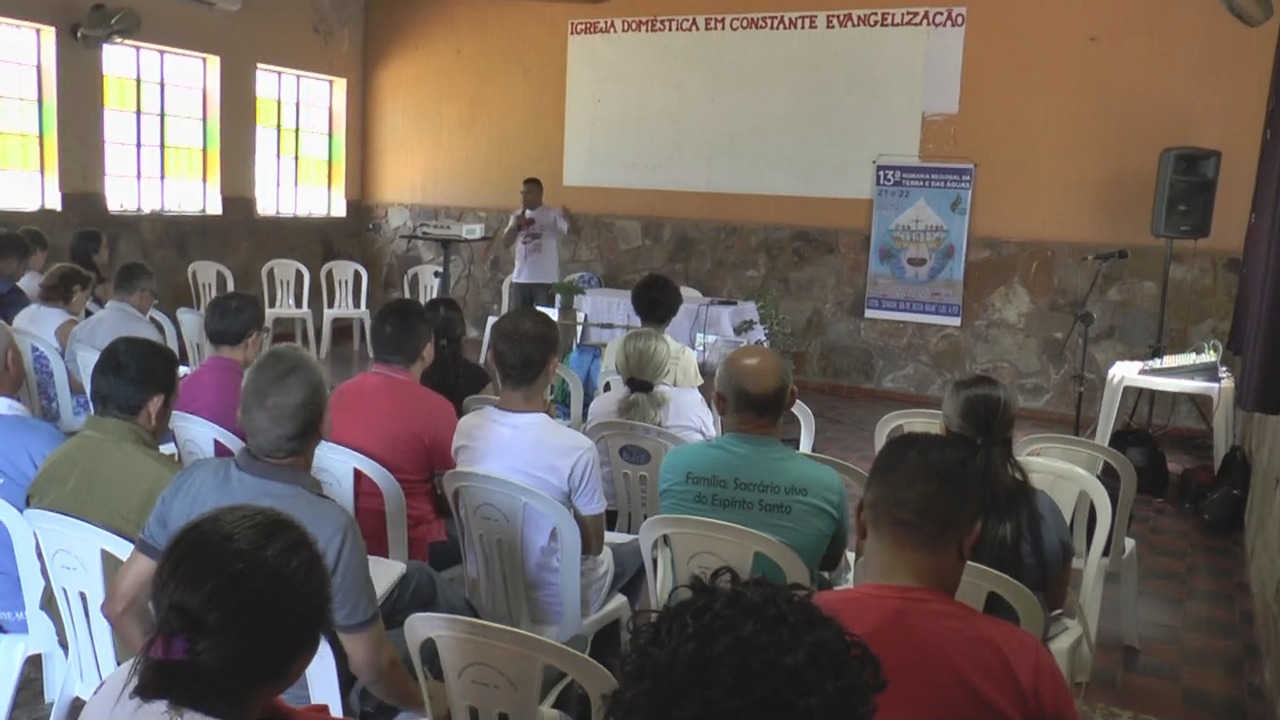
x,y
1023,532
451,374
241,596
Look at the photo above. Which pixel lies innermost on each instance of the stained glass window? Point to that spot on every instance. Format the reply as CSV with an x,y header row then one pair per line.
x,y
301,166
161,130
28,118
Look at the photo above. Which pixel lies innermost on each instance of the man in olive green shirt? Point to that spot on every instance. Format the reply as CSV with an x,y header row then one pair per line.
x,y
111,472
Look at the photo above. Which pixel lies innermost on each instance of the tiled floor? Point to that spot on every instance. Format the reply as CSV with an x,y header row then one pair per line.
x,y
1195,617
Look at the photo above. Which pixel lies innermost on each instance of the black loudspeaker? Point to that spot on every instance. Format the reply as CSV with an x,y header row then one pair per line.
x,y
1186,185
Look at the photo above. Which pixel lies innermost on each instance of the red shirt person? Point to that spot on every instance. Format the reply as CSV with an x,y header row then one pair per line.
x,y
942,660
387,415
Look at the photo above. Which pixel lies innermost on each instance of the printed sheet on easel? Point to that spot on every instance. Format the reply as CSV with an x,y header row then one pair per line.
x,y
919,233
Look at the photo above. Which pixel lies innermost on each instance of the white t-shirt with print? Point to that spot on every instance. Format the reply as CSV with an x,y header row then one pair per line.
x,y
538,244
532,449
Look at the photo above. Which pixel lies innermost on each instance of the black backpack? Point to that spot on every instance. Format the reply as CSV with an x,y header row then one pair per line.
x,y
1223,511
1148,459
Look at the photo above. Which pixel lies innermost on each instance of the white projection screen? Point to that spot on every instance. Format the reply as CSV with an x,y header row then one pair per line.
x,y
779,104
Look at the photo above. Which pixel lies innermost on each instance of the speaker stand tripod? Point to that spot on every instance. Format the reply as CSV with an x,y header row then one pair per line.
x,y
1084,320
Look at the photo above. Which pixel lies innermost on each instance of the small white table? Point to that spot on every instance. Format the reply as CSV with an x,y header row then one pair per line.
x,y
1125,374
612,306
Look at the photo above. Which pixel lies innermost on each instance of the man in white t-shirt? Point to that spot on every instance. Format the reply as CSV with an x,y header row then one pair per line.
x,y
519,441
536,231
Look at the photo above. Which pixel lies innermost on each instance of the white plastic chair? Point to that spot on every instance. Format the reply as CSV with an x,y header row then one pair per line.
x,y
493,672
40,638
1074,491
204,276
484,343
607,380
283,301
634,452
425,279
577,395
847,471
491,512
64,414
506,294
193,338
475,402
72,550
698,546
1122,556
689,293
808,426
322,679
167,329
198,439
980,581
336,467
349,301
920,421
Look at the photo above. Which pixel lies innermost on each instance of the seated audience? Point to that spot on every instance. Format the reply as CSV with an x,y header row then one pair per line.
x,y
134,294
656,299
30,282
234,326
58,305
240,597
15,251
748,477
27,441
388,416
1024,534
91,252
111,472
517,440
282,412
916,527
689,660
451,374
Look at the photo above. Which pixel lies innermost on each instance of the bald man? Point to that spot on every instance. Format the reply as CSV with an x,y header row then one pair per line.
x,y
748,477
26,442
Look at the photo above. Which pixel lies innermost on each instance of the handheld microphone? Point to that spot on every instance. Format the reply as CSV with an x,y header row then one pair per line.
x,y
1104,256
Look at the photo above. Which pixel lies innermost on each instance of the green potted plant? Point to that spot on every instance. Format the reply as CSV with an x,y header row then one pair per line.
x,y
777,326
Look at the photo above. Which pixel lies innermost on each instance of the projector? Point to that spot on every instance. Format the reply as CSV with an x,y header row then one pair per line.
x,y
451,228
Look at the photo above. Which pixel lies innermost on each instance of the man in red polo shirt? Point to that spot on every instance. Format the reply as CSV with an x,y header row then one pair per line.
x,y
942,660
387,415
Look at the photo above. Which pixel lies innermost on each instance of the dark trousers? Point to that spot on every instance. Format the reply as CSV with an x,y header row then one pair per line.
x,y
527,295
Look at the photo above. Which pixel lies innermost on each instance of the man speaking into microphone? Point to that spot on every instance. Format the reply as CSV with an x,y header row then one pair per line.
x,y
536,231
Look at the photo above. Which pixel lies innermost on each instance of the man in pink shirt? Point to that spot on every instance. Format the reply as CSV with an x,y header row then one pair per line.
x,y
386,414
233,323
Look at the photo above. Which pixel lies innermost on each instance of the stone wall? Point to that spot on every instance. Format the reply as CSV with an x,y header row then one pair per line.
x,y
1020,297
238,239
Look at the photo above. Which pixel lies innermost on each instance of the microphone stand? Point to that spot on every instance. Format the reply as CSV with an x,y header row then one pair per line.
x,y
1084,319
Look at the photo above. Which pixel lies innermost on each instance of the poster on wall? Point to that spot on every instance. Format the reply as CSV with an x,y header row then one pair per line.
x,y
919,233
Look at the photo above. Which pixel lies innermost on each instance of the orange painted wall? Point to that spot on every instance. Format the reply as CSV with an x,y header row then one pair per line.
x,y
1065,105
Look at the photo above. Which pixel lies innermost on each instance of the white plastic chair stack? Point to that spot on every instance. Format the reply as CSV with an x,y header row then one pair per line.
x,y
493,672
577,396
908,421
697,546
41,638
198,439
491,512
475,402
32,347
193,338
980,581
808,426
336,467
505,307
634,452
348,301
848,472
283,301
167,329
204,276
1074,491
1121,557
426,280
72,550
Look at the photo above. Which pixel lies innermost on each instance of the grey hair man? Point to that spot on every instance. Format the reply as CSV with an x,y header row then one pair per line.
x,y
282,413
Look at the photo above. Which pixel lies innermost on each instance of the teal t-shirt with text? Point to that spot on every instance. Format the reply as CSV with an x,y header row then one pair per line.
x,y
761,484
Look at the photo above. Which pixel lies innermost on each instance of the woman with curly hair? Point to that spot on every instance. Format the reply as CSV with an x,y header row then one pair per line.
x,y
734,649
